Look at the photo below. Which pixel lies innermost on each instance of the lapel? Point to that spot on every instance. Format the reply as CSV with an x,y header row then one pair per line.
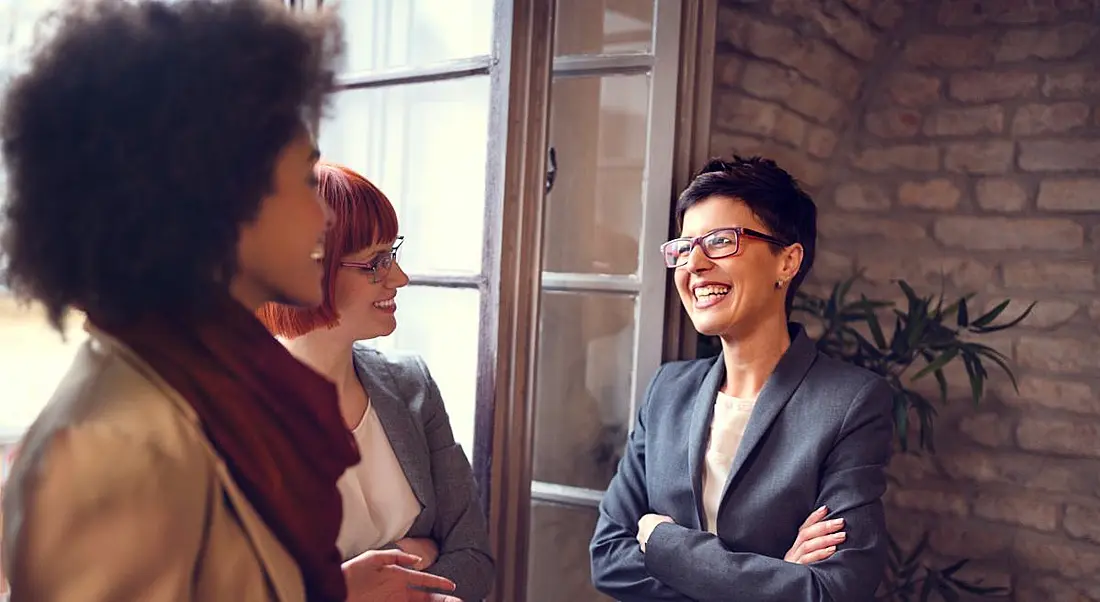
x,y
777,391
699,432
276,563
384,394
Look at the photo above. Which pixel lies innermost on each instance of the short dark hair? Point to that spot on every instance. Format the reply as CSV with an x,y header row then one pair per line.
x,y
771,193
140,140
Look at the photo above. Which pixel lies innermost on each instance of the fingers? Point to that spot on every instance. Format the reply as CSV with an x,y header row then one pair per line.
x,y
418,579
416,596
814,517
821,529
380,558
817,556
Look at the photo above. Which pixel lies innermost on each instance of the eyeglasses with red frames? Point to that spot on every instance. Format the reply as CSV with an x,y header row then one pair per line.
x,y
378,266
716,244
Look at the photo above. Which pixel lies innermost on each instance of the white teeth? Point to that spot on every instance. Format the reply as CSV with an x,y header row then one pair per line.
x,y
711,290
388,303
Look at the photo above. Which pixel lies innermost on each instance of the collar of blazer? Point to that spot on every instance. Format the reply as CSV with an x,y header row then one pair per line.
x,y
775,394
279,567
391,404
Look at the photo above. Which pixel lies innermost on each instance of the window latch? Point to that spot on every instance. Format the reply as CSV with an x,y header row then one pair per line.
x,y
551,169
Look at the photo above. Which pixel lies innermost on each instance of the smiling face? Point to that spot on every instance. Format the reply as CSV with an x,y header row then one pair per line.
x,y
366,300
728,296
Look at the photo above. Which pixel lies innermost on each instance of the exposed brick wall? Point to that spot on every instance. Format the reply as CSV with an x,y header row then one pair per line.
x,y
956,142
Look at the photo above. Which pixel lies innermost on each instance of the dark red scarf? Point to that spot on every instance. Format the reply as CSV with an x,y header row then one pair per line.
x,y
275,422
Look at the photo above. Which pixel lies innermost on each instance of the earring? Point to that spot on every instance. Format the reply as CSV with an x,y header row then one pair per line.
x,y
779,284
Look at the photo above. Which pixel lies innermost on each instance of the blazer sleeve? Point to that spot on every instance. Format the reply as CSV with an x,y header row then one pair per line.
x,y
618,565
460,528
98,531
852,483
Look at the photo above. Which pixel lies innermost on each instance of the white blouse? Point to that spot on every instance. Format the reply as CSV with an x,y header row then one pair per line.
x,y
379,505
731,416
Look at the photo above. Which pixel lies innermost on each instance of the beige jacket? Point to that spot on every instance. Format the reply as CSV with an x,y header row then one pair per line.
x,y
117,495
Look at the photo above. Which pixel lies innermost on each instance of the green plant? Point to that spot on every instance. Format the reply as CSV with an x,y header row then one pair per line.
x,y
927,336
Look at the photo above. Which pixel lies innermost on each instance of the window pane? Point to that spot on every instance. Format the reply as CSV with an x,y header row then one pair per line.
x,y
389,34
33,358
594,213
558,566
586,350
441,325
425,146
603,27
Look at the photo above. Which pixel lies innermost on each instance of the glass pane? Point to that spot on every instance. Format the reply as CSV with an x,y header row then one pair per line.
x,y
603,27
441,324
33,358
390,34
425,146
594,212
558,567
586,353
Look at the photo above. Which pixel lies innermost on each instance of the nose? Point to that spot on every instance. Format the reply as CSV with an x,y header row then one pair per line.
x,y
698,261
396,278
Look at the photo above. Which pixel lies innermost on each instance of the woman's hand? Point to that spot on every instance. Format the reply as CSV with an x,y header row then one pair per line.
x,y
425,548
382,576
647,524
817,538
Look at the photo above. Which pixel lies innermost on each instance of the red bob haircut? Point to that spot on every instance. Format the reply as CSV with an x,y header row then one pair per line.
x,y
362,217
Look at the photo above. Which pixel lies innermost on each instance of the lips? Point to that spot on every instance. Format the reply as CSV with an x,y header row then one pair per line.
x,y
708,294
387,304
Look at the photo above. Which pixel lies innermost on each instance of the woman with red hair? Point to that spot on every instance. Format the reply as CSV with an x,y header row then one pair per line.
x,y
413,489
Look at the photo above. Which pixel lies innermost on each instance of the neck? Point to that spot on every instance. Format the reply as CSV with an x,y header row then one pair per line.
x,y
329,353
752,356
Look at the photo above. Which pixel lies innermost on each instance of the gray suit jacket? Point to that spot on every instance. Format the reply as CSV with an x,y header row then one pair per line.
x,y
411,411
820,434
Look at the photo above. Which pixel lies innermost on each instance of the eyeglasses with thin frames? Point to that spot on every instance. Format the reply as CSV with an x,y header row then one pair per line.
x,y
716,244
379,266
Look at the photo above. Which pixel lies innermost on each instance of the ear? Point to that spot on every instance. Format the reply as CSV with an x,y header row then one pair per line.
x,y
790,260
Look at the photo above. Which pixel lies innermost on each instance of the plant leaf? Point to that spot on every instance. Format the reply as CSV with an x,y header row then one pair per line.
x,y
937,365
990,315
964,316
1010,324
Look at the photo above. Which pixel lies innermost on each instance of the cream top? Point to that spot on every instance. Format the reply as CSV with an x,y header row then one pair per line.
x,y
379,504
731,416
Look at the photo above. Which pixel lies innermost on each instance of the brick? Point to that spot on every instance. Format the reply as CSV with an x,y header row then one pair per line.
x,y
748,115
1050,43
913,89
820,141
831,267
893,123
970,121
988,429
981,12
1094,311
887,13
912,468
771,82
838,23
1001,233
1083,522
940,502
927,270
991,86
732,28
1022,470
1059,155
969,539
938,194
1076,84
862,197
1046,553
1001,194
1050,275
728,67
1018,510
982,158
813,58
846,227
898,158
803,168
1036,391
1055,118
1061,355
1048,589
1081,194
1096,237
949,51
1048,313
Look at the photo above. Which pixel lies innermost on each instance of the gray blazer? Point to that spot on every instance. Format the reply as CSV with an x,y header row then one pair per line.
x,y
820,434
412,414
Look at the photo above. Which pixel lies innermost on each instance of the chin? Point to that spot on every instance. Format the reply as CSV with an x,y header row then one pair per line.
x,y
300,298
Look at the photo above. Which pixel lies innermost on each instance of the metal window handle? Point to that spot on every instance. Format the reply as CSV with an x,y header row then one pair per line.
x,y
551,169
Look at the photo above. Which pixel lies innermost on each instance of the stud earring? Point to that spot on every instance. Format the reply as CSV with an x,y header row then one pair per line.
x,y
778,284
